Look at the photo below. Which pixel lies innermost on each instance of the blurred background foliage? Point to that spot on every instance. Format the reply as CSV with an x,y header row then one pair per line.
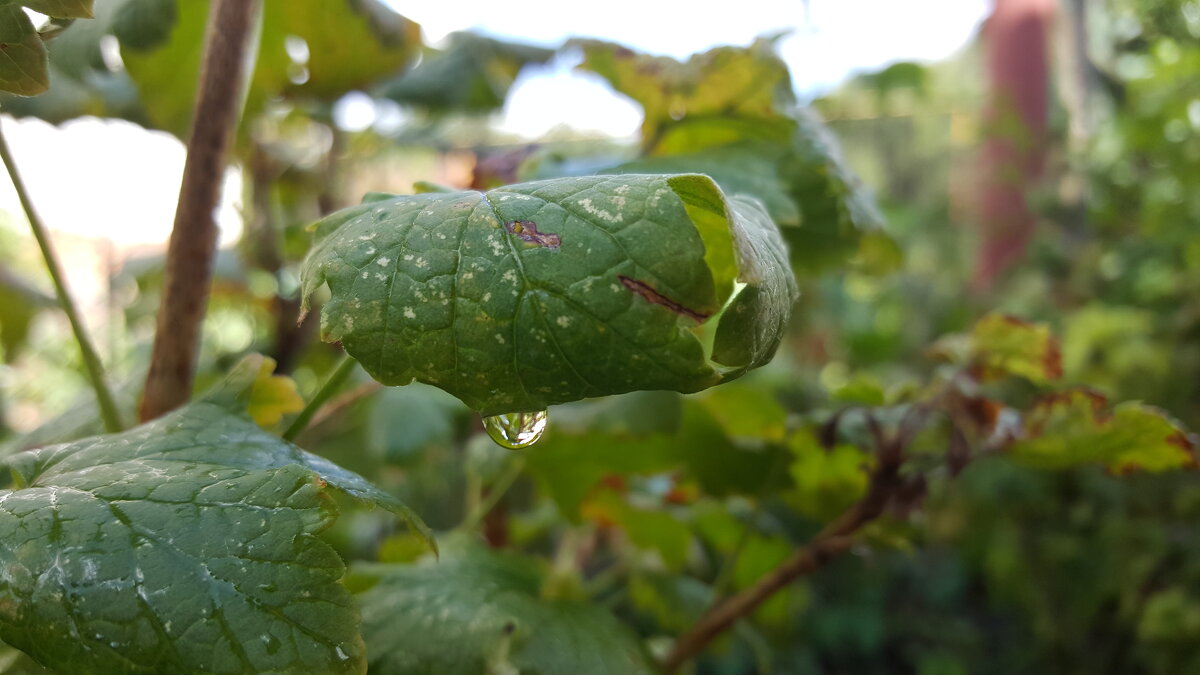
x,y
653,504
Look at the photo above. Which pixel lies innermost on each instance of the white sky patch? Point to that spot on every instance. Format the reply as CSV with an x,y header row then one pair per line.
x,y
829,40
106,178
115,180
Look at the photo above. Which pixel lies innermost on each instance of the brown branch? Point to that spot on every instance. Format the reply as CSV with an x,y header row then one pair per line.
x,y
338,405
836,538
194,237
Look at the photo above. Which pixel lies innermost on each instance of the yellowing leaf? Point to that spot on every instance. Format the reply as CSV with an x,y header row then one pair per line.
x,y
1077,427
272,396
1003,345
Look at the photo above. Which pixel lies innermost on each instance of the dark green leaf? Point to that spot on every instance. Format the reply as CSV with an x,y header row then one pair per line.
x,y
186,544
473,74
552,291
144,24
23,65
19,304
479,612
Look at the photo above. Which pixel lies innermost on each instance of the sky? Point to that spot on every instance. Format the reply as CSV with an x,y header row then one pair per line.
x,y
118,181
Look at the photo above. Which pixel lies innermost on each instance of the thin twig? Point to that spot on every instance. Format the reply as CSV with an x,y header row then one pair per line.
x,y
835,539
91,360
494,495
194,237
341,371
338,404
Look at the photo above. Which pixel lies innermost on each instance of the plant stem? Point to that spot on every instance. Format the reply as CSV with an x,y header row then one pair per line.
x,y
836,538
334,382
91,360
494,495
194,236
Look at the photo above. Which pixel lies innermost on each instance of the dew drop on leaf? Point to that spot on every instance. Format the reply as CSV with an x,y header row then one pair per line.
x,y
516,430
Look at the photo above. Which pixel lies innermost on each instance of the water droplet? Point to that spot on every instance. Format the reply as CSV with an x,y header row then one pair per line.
x,y
272,643
516,430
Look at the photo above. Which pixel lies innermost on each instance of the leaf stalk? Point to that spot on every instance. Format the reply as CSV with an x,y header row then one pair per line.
x,y
91,359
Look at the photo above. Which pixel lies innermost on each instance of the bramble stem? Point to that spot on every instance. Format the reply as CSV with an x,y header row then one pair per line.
x,y
91,359
193,244
836,538
334,382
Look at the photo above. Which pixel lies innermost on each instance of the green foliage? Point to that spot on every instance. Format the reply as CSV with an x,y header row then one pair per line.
x,y
547,292
19,304
1034,525
476,612
1075,427
347,45
730,113
24,69
112,564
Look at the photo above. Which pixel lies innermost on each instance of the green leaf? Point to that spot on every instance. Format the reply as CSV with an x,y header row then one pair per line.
x,y
741,168
840,220
552,291
654,530
351,44
730,113
19,304
1076,427
827,480
569,466
473,74
186,544
144,24
83,84
479,612
23,62
405,420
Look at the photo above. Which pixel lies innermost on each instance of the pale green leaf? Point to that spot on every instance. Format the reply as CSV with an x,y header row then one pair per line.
x,y
184,545
547,292
479,612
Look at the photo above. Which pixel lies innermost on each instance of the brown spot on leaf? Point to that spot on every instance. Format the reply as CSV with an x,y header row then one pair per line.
x,y
654,297
526,230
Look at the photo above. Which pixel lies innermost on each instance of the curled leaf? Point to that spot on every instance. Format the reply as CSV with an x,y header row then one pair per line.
x,y
552,291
